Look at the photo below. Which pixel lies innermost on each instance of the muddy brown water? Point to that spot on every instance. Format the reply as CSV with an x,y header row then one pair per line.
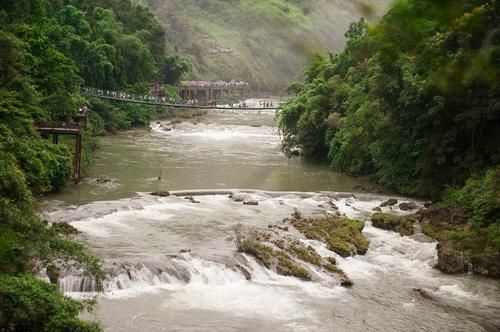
x,y
154,287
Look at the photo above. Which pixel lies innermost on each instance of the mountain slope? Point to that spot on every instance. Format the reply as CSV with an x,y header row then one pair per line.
x,y
264,42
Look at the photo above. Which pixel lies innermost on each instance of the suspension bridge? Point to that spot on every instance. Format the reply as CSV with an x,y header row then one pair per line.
x,y
162,101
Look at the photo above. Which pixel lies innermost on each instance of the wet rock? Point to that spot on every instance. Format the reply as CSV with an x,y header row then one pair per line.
x,y
377,209
450,260
288,257
103,180
191,199
408,206
283,228
64,228
238,197
344,280
279,243
328,205
341,235
401,224
251,202
486,263
246,273
422,293
160,193
184,251
296,214
332,260
442,217
53,272
389,202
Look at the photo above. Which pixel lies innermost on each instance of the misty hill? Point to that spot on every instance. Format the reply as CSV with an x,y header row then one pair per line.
x,y
264,42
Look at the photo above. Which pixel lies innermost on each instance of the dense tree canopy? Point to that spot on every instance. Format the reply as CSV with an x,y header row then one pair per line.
x,y
48,49
413,101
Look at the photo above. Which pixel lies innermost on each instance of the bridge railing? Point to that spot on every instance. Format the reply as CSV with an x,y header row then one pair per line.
x,y
155,100
128,96
59,125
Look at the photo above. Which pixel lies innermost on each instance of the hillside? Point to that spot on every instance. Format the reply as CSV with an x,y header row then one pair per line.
x,y
263,42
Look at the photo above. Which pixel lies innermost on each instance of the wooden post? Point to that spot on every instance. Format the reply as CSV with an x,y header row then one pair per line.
x,y
55,139
78,155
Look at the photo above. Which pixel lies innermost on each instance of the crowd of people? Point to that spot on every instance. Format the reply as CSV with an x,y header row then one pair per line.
x,y
167,101
266,104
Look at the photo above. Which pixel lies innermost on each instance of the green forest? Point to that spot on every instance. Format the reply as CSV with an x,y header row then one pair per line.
x,y
48,49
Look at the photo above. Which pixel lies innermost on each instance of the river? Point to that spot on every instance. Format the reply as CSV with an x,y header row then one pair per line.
x,y
171,262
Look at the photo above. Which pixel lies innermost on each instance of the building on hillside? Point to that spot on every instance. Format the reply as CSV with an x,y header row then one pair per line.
x,y
206,92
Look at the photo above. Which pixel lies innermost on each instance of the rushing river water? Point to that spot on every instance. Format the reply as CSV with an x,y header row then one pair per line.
x,y
172,262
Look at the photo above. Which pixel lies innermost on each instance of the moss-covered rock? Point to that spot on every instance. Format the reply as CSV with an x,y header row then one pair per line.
x,y
341,235
462,247
65,228
288,257
288,267
401,224
306,254
255,248
277,260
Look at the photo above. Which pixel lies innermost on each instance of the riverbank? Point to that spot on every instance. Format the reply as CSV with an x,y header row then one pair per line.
x,y
462,246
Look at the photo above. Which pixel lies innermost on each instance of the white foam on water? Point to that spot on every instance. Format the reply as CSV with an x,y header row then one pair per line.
x,y
243,299
456,290
223,134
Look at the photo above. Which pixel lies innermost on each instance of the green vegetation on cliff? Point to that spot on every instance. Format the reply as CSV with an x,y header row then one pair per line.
x,y
412,101
48,49
264,42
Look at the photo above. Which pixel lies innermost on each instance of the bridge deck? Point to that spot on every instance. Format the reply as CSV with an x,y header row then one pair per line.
x,y
156,103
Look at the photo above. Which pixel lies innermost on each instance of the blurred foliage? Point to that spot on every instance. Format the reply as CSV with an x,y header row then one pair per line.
x,y
30,304
480,196
412,101
266,41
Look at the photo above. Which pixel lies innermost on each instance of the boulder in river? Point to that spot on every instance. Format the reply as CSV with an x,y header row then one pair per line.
x,y
192,200
401,224
462,247
238,197
389,202
288,257
340,234
408,206
451,260
251,202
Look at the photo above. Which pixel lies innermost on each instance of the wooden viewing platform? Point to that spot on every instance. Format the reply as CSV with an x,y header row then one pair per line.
x,y
68,128
60,128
